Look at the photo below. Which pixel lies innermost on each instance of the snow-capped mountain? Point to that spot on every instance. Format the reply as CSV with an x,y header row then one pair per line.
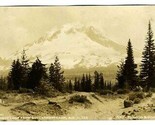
x,y
76,45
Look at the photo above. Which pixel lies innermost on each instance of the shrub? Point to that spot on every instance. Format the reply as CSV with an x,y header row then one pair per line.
x,y
152,89
149,94
79,98
128,103
46,89
135,95
105,92
122,91
137,100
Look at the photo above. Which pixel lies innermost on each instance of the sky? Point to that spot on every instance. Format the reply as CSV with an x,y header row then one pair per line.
x,y
22,25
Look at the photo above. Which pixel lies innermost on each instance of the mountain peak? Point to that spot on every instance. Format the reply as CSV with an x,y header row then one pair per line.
x,y
76,45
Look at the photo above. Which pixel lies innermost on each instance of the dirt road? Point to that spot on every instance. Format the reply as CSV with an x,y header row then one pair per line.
x,y
101,108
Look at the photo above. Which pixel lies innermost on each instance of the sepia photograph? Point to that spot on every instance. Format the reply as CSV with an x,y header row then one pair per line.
x,y
69,63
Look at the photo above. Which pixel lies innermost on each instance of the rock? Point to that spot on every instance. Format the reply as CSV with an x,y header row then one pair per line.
x,y
135,110
128,103
123,113
53,103
132,113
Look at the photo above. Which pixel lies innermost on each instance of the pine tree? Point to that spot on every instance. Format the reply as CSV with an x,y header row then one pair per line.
x,y
148,61
56,75
130,71
70,86
52,74
25,69
83,83
75,84
101,81
37,73
120,76
15,75
96,80
79,88
89,84
86,83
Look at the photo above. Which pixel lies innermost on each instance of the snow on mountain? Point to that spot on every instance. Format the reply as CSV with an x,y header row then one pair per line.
x,y
76,45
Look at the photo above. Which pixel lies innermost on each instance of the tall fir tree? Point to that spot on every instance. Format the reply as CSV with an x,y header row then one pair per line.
x,y
130,71
120,76
56,75
147,73
15,75
25,69
75,84
70,86
101,81
89,85
83,83
37,73
96,81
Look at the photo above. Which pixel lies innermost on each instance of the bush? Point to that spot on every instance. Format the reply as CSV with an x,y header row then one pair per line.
x,y
79,98
137,100
122,91
105,92
152,89
46,89
128,103
149,94
135,95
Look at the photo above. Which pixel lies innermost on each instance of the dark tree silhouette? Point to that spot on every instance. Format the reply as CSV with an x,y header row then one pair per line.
x,y
120,76
56,75
83,83
70,86
75,84
130,68
101,81
37,73
25,69
96,81
148,61
89,84
15,75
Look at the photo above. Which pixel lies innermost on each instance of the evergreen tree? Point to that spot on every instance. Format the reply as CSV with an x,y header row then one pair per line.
x,y
120,76
89,84
75,84
56,75
86,89
15,75
148,61
83,83
37,73
79,88
3,83
130,71
70,86
25,69
101,81
96,80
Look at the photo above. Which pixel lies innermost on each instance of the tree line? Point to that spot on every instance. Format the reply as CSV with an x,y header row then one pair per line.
x,y
127,75
22,75
88,83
